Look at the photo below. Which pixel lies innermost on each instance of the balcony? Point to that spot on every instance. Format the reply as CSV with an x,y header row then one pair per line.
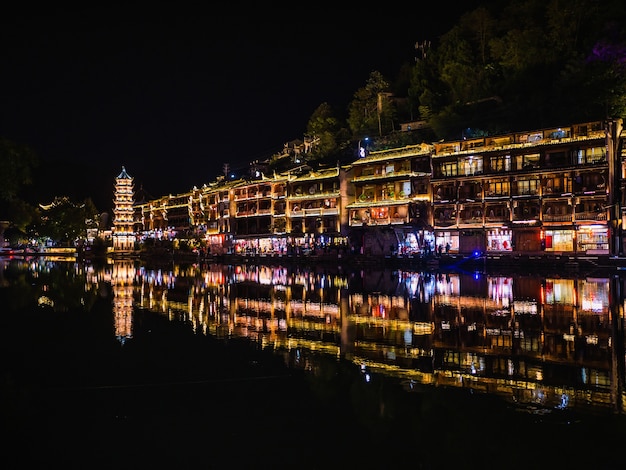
x,y
496,195
471,220
497,219
444,222
591,215
245,213
330,211
385,174
557,217
299,196
526,219
314,212
380,221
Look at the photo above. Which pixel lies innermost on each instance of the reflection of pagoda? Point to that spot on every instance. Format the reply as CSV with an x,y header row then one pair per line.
x,y
122,284
123,233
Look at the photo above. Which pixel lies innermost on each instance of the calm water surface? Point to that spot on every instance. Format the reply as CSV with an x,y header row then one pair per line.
x,y
122,364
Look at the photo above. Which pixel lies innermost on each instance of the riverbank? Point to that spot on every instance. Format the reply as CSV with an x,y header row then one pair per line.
x,y
475,262
482,262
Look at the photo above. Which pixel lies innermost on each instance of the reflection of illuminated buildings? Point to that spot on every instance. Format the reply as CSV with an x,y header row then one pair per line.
x,y
549,342
543,338
122,278
529,339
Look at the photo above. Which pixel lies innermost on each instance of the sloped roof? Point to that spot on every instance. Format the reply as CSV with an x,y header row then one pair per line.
x,y
142,196
123,175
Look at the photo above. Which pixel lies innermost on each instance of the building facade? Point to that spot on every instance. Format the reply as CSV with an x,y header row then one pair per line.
x,y
556,190
545,190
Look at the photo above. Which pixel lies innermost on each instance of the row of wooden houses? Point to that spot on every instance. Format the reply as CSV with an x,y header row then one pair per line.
x,y
554,190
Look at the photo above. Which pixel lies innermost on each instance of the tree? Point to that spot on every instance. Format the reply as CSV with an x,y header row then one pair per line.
x,y
20,214
521,64
605,63
426,90
464,65
65,221
17,163
327,131
372,112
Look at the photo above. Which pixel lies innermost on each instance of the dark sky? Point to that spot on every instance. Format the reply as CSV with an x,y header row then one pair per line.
x,y
174,98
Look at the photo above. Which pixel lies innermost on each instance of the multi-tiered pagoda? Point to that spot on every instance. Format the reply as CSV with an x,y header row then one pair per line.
x,y
123,233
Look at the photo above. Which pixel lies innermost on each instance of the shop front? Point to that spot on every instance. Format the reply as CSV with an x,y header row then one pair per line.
x,y
499,240
260,245
448,240
415,240
593,239
558,240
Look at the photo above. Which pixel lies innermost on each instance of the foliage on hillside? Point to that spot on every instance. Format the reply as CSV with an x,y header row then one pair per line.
x,y
510,66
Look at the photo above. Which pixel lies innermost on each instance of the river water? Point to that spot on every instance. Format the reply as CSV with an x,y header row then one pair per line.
x,y
124,364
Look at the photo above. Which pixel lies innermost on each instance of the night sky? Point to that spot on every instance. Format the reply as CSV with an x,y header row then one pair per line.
x,y
174,98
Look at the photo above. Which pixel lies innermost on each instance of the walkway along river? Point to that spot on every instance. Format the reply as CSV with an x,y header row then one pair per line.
x,y
291,365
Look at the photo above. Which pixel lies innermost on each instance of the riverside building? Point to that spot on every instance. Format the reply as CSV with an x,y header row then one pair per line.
x,y
549,191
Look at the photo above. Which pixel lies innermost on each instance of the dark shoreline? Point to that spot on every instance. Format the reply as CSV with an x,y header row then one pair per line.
x,y
562,263
495,262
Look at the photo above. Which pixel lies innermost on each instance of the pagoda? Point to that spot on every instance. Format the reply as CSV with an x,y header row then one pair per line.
x,y
123,232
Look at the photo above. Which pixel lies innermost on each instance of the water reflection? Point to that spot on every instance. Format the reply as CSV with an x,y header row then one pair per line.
x,y
539,342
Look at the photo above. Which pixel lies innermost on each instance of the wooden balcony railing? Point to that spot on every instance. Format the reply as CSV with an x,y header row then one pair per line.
x,y
315,212
591,215
471,220
557,217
